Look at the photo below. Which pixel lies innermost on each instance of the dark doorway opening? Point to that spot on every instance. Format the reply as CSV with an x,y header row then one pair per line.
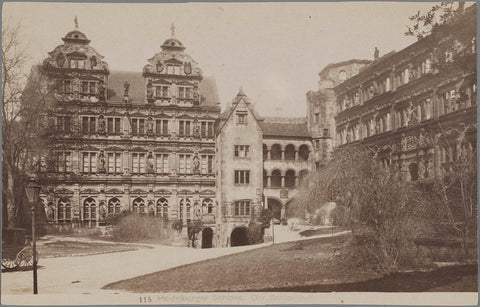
x,y
239,237
276,207
207,236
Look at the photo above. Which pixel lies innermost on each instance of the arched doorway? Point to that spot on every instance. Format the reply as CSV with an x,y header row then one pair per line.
x,y
239,237
207,237
276,207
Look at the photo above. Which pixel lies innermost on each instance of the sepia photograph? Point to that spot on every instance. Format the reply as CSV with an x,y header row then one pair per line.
x,y
239,153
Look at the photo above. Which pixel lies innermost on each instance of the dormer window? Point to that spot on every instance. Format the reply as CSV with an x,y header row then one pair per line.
x,y
342,75
93,61
184,92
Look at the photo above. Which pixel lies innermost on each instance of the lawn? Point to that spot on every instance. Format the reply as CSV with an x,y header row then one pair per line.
x,y
81,248
303,266
279,265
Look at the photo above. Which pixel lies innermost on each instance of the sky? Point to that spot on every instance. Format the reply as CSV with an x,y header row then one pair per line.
x,y
274,50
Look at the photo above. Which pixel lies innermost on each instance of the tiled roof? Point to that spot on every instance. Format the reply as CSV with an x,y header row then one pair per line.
x,y
116,79
285,126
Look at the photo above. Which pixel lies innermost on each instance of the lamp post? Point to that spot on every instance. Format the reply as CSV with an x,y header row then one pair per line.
x,y
33,191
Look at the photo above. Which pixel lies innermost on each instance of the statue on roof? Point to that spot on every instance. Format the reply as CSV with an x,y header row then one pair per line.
x,y
173,29
76,22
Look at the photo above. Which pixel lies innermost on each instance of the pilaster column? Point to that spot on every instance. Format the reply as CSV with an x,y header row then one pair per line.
x,y
283,182
269,154
283,154
269,181
296,155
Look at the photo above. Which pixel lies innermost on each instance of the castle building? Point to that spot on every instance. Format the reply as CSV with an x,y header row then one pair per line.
x,y
156,143
416,108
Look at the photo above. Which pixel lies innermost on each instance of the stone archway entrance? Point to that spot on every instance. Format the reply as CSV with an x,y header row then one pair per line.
x,y
276,207
239,237
207,237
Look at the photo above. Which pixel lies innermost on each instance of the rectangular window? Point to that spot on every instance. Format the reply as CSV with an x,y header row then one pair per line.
x,y
187,128
241,118
204,164
161,127
89,124
181,92
114,163
113,125
241,151
93,88
210,164
188,93
60,162
242,208
181,128
110,125
203,129
242,177
138,126
89,162
85,87
184,164
316,118
138,163
210,129
162,163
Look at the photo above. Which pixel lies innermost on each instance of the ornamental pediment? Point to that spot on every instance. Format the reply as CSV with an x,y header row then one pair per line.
x,y
89,191
173,61
207,150
63,191
114,191
185,150
162,115
138,114
137,148
207,193
90,148
77,55
185,116
162,149
162,192
160,81
138,191
114,148
185,192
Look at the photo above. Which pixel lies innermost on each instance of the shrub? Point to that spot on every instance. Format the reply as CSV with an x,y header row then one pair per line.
x,y
341,216
265,217
133,227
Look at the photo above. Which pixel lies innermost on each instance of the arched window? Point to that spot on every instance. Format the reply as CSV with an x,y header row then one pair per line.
x,y
342,75
276,153
138,205
162,208
303,152
276,179
188,206
290,152
151,208
114,205
89,210
290,178
208,204
64,210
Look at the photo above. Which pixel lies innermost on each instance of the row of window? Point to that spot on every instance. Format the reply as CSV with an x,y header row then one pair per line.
x,y
140,126
448,101
63,212
164,91
85,87
289,153
111,163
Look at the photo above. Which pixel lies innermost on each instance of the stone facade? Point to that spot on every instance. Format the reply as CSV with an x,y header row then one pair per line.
x,y
415,108
155,143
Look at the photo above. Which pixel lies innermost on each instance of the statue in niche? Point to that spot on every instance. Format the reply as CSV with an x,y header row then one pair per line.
x,y
101,163
101,91
93,61
196,164
150,169
196,96
101,124
149,92
412,116
149,126
196,128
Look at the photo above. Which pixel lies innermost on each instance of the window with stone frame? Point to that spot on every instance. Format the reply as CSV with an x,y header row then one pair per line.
x,y
241,151
138,126
242,208
161,162
138,163
89,124
161,91
64,124
114,206
64,211
89,161
64,162
241,117
114,162
184,128
162,208
242,177
114,125
184,164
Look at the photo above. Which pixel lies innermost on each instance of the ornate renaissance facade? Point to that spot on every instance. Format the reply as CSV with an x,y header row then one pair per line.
x,y
415,108
156,143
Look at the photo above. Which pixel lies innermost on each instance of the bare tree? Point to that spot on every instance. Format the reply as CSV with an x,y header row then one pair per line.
x,y
390,212
25,104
